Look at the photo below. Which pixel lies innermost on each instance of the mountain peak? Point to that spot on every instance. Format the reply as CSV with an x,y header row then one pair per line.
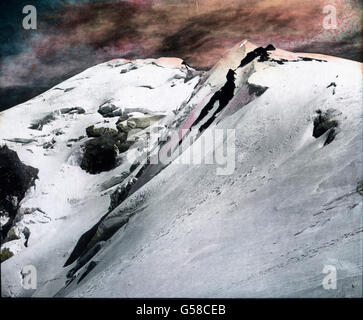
x,y
215,183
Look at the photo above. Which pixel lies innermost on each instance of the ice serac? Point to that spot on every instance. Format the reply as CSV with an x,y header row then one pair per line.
x,y
290,210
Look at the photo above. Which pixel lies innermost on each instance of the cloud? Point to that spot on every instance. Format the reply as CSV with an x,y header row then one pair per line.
x,y
78,34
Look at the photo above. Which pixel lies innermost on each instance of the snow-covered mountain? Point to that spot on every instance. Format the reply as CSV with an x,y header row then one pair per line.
x,y
119,211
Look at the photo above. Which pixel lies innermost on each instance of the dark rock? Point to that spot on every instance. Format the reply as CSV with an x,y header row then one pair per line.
x,y
258,52
90,131
38,124
145,166
89,268
82,243
332,84
12,235
147,87
125,126
93,132
312,59
124,146
26,233
122,118
49,144
90,238
254,89
72,110
331,136
120,195
106,108
115,180
5,254
270,47
100,155
360,187
119,138
82,260
282,61
323,122
15,179
76,139
223,96
58,132
134,166
133,67
109,110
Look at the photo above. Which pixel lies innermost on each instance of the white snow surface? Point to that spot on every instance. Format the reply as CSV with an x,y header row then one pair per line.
x,y
289,208
72,199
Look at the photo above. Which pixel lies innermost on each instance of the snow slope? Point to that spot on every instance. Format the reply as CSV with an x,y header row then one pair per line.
x,y
67,200
289,208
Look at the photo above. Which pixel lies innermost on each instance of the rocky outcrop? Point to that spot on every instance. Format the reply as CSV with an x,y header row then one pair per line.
x,y
100,155
101,152
260,52
325,122
109,110
39,123
5,254
93,132
222,96
15,179
360,188
73,110
12,235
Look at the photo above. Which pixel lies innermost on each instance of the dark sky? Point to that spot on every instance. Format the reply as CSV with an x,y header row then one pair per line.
x,y
75,34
